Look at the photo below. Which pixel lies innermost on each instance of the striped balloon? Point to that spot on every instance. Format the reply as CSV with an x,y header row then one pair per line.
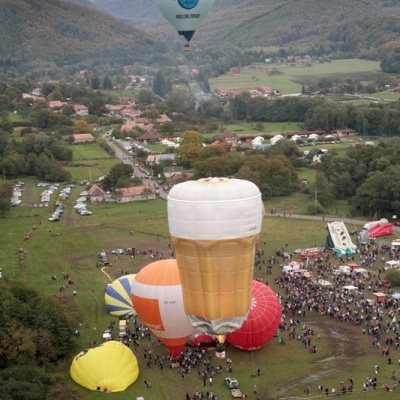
x,y
157,298
118,297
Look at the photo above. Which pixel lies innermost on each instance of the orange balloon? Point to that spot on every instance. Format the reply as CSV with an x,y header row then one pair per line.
x,y
157,299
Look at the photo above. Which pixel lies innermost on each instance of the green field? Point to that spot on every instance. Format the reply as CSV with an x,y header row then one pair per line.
x,y
293,77
70,246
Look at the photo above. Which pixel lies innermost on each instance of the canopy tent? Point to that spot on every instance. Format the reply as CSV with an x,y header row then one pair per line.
x,y
391,264
380,297
323,282
361,271
352,265
350,288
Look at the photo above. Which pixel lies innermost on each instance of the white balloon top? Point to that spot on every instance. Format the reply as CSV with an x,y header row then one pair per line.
x,y
215,208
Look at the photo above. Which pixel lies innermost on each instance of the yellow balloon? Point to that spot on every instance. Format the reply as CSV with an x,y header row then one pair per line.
x,y
110,367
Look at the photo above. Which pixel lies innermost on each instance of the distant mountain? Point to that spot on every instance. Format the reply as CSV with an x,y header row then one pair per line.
x,y
354,26
54,30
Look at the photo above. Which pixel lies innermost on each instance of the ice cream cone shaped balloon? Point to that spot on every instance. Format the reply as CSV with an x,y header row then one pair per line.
x,y
215,224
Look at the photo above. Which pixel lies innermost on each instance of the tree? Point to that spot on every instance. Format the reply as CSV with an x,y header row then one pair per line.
x,y
107,84
379,194
5,194
189,148
95,83
118,177
322,190
160,86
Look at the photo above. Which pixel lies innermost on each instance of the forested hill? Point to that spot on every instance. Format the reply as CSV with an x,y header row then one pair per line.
x,y
359,27
53,30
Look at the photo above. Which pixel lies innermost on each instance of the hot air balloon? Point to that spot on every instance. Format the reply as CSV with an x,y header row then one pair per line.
x,y
110,367
118,297
262,322
157,298
199,338
215,224
185,15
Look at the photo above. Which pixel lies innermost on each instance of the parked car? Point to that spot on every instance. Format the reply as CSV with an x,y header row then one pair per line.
x,y
86,213
118,251
231,383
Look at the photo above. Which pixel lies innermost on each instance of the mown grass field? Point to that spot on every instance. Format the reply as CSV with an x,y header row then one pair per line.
x,y
293,77
342,350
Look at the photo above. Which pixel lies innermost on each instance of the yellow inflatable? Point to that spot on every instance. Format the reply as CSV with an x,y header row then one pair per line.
x,y
110,367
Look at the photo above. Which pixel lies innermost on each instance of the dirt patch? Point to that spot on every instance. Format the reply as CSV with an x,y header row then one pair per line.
x,y
346,344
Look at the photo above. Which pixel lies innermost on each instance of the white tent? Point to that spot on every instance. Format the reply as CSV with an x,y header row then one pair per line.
x,y
361,271
323,282
350,288
392,264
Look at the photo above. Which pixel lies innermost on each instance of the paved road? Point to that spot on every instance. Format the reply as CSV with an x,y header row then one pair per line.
x,y
357,223
128,159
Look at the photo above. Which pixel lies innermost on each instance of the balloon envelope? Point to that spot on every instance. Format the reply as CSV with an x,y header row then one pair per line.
x,y
157,298
262,322
214,225
185,15
199,338
118,297
110,367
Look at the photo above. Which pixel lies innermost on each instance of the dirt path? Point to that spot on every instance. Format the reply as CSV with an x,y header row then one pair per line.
x,y
346,344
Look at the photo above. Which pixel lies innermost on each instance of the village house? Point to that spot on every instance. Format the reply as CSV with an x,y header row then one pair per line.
x,y
231,139
56,105
217,143
149,137
135,193
264,90
37,92
96,194
83,138
81,110
223,93
344,132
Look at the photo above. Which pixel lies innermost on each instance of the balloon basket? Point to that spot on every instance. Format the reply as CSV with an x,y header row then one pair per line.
x,y
187,47
220,354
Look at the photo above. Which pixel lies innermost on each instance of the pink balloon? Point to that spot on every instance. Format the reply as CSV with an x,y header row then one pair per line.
x,y
261,323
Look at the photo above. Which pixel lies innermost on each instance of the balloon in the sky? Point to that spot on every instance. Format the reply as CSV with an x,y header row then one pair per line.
x,y
185,15
157,298
110,367
215,224
262,322
118,297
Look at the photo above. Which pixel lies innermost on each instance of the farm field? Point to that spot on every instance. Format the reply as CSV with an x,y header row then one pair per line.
x,y
293,77
71,245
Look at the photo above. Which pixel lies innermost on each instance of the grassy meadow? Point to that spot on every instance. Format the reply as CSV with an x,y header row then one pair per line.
x,y
293,76
285,369
33,249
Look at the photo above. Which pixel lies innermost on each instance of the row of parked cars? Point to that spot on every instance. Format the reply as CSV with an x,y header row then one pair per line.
x,y
58,212
15,199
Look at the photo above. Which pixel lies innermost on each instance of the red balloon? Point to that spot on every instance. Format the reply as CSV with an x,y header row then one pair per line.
x,y
261,323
